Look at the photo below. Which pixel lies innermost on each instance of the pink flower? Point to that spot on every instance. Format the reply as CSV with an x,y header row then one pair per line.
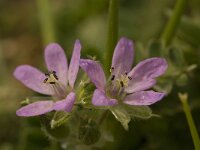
x,y
125,85
59,82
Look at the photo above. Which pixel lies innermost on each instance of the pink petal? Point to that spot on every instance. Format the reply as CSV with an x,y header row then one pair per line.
x,y
140,85
33,79
143,98
65,104
56,61
149,68
123,57
95,72
74,64
35,109
100,99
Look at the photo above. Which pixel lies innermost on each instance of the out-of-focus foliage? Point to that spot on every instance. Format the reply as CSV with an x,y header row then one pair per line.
x,y
143,21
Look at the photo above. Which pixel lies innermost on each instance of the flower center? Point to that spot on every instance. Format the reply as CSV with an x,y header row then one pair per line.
x,y
115,85
51,78
57,87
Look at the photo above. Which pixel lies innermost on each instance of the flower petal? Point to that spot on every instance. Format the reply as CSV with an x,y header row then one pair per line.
x,y
95,72
56,61
140,85
143,98
35,109
66,104
123,57
33,79
99,99
74,64
149,68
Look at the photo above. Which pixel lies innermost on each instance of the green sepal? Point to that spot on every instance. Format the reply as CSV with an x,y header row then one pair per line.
x,y
142,112
121,114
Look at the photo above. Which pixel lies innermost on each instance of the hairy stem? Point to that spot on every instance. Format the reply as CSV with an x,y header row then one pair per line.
x,y
193,129
112,35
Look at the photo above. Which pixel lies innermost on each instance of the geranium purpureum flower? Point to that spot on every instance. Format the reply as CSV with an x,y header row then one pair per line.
x,y
125,85
58,82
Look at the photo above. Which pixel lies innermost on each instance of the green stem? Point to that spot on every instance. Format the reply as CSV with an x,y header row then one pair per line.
x,y
173,22
193,129
46,21
112,35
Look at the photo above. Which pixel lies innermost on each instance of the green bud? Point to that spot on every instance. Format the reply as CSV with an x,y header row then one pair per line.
x,y
182,80
88,132
56,130
86,92
165,85
176,57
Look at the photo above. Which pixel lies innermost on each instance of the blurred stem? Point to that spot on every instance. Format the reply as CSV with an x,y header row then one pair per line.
x,y
103,117
46,21
112,35
193,129
3,66
173,22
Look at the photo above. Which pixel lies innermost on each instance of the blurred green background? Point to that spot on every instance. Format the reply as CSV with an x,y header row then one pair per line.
x,y
26,26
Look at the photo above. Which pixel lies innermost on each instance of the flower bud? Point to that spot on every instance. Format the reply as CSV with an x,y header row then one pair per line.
x,y
88,132
60,132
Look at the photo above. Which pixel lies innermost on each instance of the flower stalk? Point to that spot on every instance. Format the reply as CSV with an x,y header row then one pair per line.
x,y
112,33
196,140
46,21
173,22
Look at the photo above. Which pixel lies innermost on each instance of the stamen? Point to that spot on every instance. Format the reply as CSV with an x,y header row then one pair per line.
x,y
46,74
129,78
45,80
113,77
126,73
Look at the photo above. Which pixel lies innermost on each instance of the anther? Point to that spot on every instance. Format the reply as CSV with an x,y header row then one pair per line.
x,y
113,77
46,74
129,78
126,73
122,83
45,80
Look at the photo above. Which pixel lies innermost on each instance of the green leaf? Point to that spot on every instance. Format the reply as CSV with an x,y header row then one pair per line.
x,y
143,112
120,113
